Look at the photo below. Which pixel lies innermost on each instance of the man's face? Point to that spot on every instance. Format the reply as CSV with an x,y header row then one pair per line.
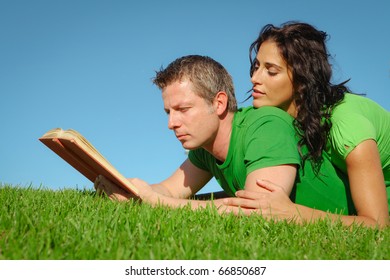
x,y
194,121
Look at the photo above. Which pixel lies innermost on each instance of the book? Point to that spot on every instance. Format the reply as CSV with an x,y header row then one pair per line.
x,y
77,151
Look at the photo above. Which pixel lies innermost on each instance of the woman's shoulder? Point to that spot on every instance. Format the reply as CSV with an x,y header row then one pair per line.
x,y
356,103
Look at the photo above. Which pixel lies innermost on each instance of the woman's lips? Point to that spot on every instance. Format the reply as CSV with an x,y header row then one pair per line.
x,y
257,93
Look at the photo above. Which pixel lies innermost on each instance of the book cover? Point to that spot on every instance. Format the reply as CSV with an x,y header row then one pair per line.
x,y
77,151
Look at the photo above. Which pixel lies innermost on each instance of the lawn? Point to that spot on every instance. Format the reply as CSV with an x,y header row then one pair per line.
x,y
71,224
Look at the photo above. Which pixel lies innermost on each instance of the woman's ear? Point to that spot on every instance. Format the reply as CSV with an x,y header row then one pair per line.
x,y
221,102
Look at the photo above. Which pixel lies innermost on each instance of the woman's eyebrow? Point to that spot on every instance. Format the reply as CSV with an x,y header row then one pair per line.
x,y
270,64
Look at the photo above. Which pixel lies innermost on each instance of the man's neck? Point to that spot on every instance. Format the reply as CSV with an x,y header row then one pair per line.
x,y
220,146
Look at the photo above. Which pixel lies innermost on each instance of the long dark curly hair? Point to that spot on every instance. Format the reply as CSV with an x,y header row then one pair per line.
x,y
303,47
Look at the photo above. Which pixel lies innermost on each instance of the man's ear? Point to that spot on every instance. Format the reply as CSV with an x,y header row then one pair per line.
x,y
221,102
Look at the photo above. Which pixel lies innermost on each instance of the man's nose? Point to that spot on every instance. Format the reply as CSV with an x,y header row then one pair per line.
x,y
172,120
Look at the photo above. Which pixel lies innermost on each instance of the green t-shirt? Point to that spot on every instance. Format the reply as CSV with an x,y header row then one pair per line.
x,y
354,120
266,137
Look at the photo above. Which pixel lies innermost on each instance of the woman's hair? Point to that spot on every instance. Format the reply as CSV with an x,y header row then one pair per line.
x,y
304,50
208,77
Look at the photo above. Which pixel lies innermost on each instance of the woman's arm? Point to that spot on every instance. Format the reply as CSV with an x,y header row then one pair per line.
x,y
367,189
273,203
367,184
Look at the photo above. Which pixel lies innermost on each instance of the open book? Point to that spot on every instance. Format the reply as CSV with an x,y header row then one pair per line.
x,y
71,146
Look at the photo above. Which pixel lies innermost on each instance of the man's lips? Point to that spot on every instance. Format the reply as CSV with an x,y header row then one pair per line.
x,y
180,136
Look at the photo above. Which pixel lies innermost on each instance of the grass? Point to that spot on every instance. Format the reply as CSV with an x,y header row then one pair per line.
x,y
69,224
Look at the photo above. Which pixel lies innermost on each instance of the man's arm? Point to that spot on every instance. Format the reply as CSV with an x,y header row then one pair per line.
x,y
185,182
172,192
281,175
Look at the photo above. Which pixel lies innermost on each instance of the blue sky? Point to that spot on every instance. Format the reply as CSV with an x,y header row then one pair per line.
x,y
88,65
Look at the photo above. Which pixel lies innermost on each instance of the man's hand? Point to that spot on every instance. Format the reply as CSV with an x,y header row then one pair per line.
x,y
103,185
146,193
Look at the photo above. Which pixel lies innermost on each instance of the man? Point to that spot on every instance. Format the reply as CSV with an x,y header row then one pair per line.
x,y
237,147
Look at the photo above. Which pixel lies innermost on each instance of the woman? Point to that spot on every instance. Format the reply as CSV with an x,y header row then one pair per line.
x,y
291,71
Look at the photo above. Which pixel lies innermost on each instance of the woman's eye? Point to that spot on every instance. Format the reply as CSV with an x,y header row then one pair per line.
x,y
272,73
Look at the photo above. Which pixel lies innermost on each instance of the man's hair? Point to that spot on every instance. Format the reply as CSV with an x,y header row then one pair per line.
x,y
208,77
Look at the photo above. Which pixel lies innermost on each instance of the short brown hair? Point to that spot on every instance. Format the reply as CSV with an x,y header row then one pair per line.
x,y
207,76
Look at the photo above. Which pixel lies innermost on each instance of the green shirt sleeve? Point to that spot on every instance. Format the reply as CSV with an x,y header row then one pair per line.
x,y
270,141
349,131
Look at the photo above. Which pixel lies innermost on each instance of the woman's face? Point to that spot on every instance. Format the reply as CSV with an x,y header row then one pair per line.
x,y
272,80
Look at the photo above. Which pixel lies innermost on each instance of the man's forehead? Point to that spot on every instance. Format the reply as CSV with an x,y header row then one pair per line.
x,y
179,93
177,87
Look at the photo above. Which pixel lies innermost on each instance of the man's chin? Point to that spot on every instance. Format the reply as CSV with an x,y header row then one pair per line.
x,y
188,147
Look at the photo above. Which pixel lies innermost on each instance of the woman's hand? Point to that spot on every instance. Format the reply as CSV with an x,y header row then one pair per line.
x,y
271,201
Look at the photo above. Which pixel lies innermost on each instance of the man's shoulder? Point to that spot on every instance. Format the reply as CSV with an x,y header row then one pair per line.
x,y
263,113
